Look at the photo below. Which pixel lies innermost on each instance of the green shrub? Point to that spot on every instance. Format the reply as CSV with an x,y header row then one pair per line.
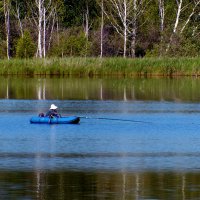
x,y
25,46
3,48
71,45
181,46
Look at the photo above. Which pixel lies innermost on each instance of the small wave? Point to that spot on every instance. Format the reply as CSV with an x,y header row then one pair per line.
x,y
97,155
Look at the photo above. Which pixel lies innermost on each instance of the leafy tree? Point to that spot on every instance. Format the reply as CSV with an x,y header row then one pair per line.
x,y
75,10
25,46
69,44
76,28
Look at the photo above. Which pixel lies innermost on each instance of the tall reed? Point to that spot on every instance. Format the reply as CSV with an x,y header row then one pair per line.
x,y
117,66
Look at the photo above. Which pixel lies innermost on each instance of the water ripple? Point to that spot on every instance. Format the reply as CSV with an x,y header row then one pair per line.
x,y
97,155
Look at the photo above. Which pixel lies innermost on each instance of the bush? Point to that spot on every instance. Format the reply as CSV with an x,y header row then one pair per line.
x,y
3,49
71,45
181,46
25,47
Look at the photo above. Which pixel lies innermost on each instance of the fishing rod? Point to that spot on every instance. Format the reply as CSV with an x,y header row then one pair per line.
x,y
114,119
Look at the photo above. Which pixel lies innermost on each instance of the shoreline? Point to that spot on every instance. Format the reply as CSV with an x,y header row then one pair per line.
x,y
102,67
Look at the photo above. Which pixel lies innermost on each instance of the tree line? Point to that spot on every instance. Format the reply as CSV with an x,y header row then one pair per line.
x,y
105,28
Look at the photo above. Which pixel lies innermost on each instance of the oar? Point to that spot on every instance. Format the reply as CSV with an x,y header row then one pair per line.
x,y
114,119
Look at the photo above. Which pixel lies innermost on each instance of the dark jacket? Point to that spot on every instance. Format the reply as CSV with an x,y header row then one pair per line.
x,y
52,113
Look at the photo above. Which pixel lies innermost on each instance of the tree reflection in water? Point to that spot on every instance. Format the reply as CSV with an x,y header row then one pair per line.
x,y
86,184
99,185
163,89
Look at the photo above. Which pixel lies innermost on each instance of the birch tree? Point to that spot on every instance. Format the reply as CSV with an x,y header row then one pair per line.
x,y
17,13
124,15
162,16
39,4
118,11
89,5
86,21
196,4
188,7
178,12
7,8
161,6
102,26
138,8
134,29
101,6
44,16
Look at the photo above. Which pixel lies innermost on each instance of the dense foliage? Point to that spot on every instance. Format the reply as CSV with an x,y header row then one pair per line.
x,y
129,28
25,46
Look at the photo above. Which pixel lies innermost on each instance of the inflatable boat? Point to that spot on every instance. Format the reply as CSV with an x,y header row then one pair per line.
x,y
55,120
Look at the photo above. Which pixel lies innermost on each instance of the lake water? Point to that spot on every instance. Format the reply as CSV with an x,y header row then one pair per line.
x,y
147,147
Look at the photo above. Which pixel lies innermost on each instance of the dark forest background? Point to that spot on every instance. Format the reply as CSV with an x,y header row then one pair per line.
x,y
105,28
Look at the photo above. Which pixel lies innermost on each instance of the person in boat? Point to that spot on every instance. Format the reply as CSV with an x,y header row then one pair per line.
x,y
53,112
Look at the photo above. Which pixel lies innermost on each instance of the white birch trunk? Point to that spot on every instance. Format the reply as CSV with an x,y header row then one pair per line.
x,y
134,29
123,15
119,14
162,17
39,3
45,11
87,22
102,25
19,20
52,29
7,25
125,28
44,32
8,34
57,29
190,16
179,5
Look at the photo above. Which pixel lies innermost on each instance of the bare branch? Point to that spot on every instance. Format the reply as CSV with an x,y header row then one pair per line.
x,y
190,16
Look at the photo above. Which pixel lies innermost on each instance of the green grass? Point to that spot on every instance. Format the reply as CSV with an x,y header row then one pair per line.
x,y
102,67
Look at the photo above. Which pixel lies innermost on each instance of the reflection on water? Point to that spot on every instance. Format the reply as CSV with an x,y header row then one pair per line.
x,y
101,159
184,89
154,155
99,185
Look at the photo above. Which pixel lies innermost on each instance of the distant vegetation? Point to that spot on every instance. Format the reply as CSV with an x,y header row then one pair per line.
x,y
100,38
99,28
92,67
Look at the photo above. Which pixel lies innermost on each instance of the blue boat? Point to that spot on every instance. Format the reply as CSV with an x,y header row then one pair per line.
x,y
55,120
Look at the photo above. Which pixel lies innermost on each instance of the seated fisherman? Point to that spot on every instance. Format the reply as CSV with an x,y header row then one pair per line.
x,y
52,112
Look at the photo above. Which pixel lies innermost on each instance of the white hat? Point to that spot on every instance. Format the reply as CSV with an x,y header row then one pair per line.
x,y
53,107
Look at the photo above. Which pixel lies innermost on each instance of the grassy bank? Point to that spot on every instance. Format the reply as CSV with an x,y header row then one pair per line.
x,y
102,67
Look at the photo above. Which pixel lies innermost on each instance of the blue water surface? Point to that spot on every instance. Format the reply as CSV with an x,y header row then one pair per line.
x,y
161,136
